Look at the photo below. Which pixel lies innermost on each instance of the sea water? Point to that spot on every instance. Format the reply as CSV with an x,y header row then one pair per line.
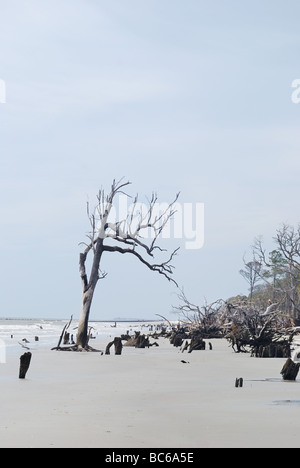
x,y
31,334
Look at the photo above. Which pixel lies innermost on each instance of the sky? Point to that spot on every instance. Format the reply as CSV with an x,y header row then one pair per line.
x,y
175,96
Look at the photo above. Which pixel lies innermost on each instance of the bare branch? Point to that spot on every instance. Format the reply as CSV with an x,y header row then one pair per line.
x,y
164,318
165,268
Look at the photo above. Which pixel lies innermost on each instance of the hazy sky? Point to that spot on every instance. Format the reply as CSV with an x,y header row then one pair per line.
x,y
191,96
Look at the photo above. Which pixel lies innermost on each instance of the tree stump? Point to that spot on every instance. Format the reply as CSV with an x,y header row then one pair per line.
x,y
196,344
118,346
138,341
142,341
290,370
176,340
66,338
24,365
239,382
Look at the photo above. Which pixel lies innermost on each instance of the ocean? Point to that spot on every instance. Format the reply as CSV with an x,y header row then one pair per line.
x,y
19,334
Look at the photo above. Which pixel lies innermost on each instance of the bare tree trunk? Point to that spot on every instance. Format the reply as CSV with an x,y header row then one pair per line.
x,y
82,334
88,292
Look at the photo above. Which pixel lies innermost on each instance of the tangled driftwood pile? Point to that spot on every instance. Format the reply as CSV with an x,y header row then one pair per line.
x,y
266,333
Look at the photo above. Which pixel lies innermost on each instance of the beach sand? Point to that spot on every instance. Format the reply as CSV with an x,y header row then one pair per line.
x,y
148,398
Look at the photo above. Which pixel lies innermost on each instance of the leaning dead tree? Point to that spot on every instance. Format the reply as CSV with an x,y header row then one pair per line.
x,y
136,233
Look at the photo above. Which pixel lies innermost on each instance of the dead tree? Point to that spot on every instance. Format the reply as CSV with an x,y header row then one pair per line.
x,y
135,234
204,320
284,262
127,232
265,333
251,274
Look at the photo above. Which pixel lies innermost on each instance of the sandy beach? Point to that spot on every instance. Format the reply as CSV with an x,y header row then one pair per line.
x,y
147,398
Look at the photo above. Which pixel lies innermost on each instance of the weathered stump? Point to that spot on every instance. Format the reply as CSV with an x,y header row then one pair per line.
x,y
290,370
118,346
239,382
24,365
66,338
197,343
138,341
176,340
142,342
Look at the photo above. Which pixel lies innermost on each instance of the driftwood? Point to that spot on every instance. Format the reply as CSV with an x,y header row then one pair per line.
x,y
63,334
290,370
206,320
195,344
66,338
142,341
23,346
177,339
138,341
118,346
265,333
24,365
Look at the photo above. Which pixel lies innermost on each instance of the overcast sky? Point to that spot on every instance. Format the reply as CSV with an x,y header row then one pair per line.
x,y
191,96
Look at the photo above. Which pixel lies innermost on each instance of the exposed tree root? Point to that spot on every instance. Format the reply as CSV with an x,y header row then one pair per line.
x,y
77,349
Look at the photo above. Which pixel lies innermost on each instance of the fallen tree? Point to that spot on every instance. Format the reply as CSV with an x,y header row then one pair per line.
x,y
140,341
201,321
262,333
